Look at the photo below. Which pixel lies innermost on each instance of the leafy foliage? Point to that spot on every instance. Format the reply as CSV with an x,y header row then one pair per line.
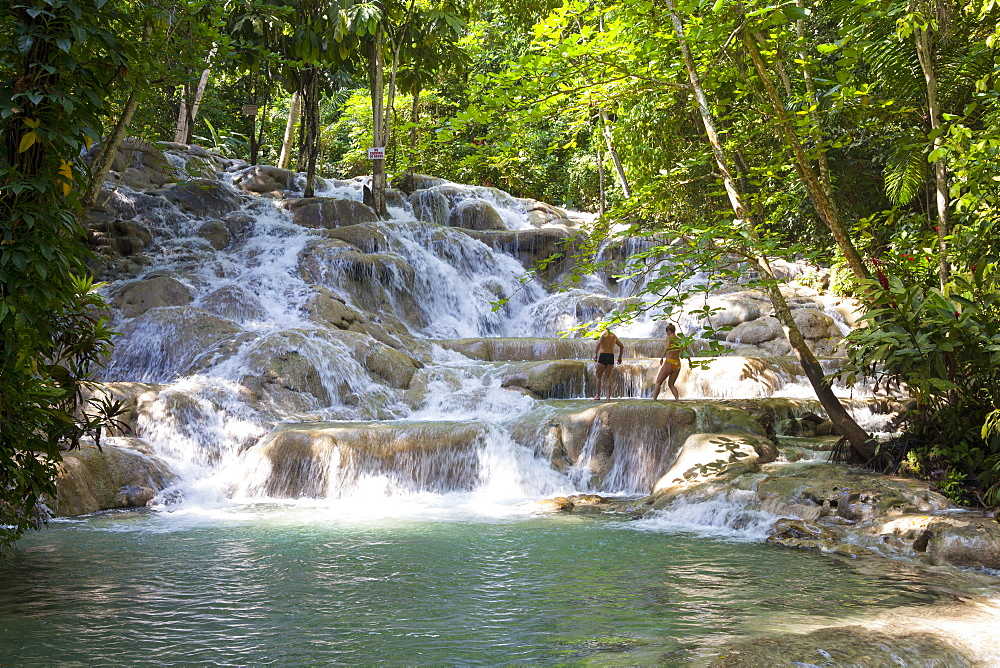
x,y
51,330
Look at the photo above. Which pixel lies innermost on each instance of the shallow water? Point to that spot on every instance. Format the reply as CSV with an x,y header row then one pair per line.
x,y
293,585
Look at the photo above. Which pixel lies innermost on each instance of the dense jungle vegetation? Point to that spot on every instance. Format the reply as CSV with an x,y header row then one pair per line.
x,y
863,135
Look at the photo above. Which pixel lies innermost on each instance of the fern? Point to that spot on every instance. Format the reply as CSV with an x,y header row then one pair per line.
x,y
906,171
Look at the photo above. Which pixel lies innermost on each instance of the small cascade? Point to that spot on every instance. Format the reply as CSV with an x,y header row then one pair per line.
x,y
734,514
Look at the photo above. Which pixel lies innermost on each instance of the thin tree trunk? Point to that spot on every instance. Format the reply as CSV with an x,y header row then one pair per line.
x,y
862,443
622,180
181,128
294,111
813,98
925,53
414,117
376,82
600,179
101,165
817,194
311,121
187,114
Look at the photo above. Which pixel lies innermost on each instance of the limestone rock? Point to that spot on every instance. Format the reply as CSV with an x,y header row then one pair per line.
x,y
974,545
240,227
368,238
814,324
329,459
215,232
430,206
119,237
328,212
164,342
261,179
475,214
283,370
755,332
704,456
841,646
203,197
116,476
411,182
136,298
234,303
532,246
560,379
137,164
392,367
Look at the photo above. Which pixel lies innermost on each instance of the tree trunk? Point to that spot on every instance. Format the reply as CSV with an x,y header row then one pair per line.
x,y
819,196
310,96
622,180
101,165
860,441
181,128
925,53
414,117
294,111
821,161
600,180
187,114
376,82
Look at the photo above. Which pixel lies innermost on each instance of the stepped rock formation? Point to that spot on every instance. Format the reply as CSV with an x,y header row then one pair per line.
x,y
275,346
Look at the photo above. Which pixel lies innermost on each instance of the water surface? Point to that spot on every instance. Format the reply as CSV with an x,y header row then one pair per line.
x,y
276,585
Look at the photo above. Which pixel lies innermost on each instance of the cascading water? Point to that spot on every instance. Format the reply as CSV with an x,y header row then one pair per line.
x,y
290,322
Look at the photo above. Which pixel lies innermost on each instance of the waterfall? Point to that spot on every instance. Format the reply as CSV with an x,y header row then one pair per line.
x,y
272,355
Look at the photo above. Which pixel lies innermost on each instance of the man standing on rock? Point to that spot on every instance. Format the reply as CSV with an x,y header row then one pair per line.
x,y
670,363
604,355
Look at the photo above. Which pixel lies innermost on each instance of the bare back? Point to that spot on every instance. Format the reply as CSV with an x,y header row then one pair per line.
x,y
672,347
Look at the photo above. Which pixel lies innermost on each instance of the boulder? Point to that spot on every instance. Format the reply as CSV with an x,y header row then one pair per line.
x,y
975,544
540,213
411,182
389,366
475,214
203,198
138,164
164,342
814,324
368,238
328,212
704,456
215,232
234,303
240,226
117,475
430,206
283,369
118,237
755,332
261,179
734,309
136,298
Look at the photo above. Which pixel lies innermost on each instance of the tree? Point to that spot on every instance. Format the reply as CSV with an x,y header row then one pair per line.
x,y
56,65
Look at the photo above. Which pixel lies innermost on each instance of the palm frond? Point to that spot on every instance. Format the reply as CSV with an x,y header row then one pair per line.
x,y
906,171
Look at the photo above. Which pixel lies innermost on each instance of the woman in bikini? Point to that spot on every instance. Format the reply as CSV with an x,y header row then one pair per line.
x,y
604,355
670,363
